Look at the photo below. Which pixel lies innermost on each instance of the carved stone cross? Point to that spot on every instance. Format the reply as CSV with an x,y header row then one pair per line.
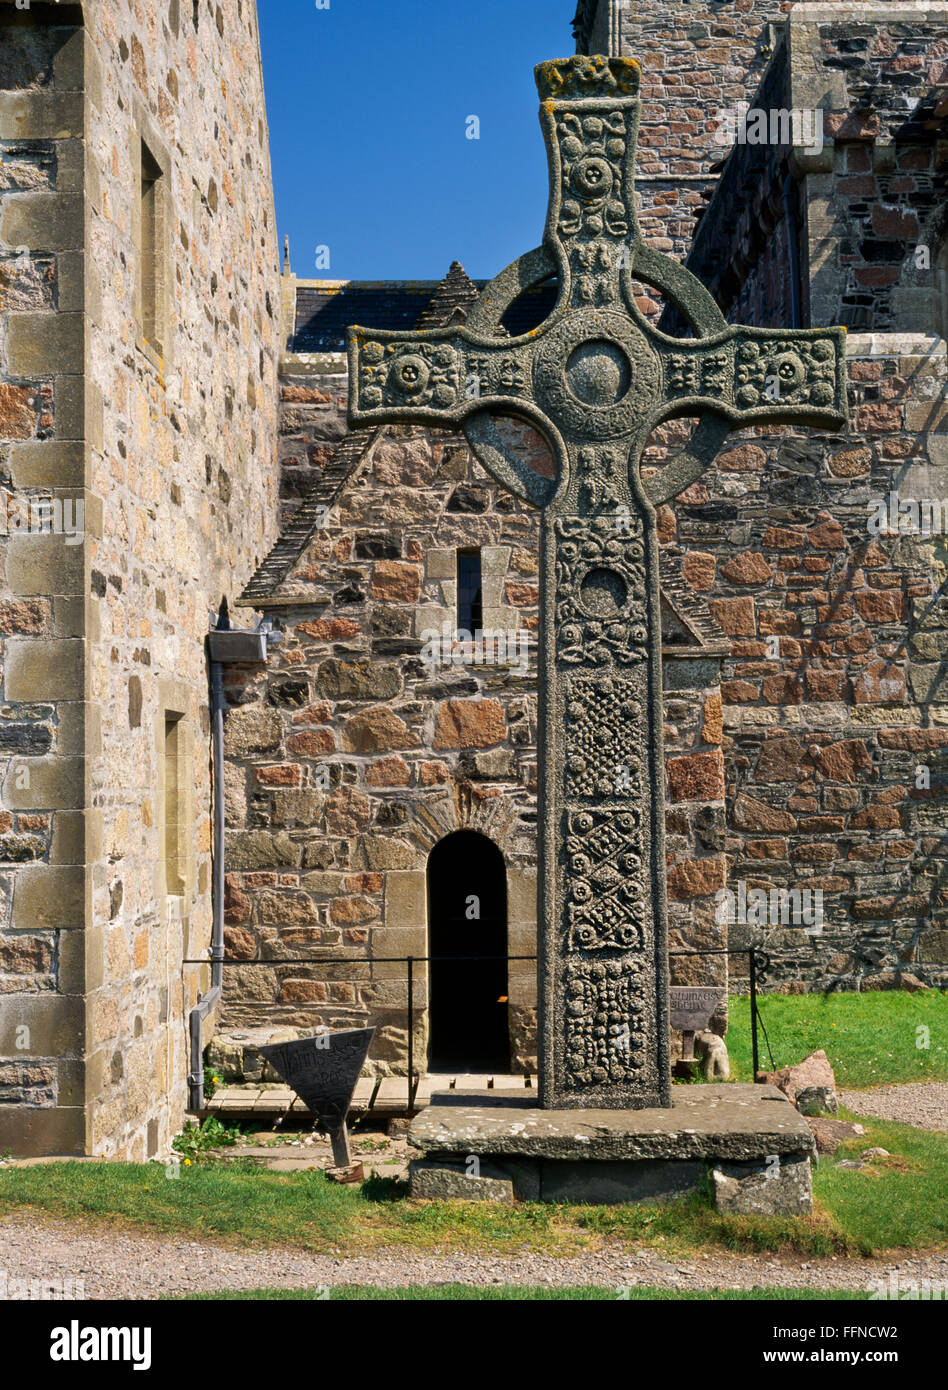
x,y
596,378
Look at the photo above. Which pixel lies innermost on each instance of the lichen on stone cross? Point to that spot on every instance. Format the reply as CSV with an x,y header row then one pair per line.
x,y
596,378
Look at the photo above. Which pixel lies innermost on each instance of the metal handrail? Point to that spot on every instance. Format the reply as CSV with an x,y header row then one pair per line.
x,y
752,952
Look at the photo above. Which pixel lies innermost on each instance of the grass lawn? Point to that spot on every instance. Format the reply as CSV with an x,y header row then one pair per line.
x,y
898,1202
870,1039
512,1293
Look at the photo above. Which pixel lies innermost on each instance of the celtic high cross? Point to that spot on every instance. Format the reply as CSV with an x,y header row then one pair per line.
x,y
596,378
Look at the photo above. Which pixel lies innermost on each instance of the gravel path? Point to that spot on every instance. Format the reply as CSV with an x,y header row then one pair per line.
x,y
922,1103
145,1266
115,1265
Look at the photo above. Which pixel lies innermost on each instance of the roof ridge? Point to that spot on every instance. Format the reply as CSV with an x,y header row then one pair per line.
x,y
451,300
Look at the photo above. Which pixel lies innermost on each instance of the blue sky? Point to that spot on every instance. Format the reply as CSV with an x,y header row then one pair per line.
x,y
368,104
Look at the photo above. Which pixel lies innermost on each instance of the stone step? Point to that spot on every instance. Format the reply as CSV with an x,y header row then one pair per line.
x,y
509,1083
389,1094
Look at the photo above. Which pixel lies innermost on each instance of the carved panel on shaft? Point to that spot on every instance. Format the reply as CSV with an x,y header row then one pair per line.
x,y
605,908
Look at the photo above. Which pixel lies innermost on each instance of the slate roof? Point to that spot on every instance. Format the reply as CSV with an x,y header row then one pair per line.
x,y
326,308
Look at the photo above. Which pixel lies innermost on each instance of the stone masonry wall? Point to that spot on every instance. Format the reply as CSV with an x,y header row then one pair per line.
x,y
820,738
869,207
409,753
174,415
187,465
697,59
877,197
834,698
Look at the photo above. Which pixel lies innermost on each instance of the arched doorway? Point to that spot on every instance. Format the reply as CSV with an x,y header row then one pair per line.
x,y
467,916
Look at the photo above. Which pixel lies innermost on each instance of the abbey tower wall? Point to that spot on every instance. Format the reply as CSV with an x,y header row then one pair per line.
x,y
138,348
697,59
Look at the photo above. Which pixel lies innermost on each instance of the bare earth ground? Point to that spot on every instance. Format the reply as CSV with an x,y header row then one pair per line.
x,y
143,1267
123,1266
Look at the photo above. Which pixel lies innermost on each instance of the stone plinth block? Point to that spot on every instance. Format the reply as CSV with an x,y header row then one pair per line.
x,y
781,1186
755,1144
454,1180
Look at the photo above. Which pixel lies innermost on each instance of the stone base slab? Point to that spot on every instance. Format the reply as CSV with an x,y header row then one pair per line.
x,y
748,1140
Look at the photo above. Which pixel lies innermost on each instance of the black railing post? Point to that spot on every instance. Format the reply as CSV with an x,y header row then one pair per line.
x,y
753,985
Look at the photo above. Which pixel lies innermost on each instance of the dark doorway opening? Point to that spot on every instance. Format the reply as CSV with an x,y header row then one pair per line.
x,y
467,916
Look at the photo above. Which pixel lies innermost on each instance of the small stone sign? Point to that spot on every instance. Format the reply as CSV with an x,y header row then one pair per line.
x,y
323,1071
692,1006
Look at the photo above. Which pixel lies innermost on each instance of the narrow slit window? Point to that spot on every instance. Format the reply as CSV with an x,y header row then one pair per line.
x,y
470,603
174,878
149,280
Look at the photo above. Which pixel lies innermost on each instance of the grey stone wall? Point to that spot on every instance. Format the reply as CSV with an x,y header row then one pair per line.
x,y
43,410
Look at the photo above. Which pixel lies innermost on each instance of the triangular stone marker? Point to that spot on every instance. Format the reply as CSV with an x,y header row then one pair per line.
x,y
323,1071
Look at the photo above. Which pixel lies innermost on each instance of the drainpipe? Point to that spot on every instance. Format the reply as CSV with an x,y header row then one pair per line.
x,y
793,243
225,645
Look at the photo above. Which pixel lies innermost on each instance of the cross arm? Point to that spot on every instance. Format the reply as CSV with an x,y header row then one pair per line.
x,y
447,377
757,376
442,376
